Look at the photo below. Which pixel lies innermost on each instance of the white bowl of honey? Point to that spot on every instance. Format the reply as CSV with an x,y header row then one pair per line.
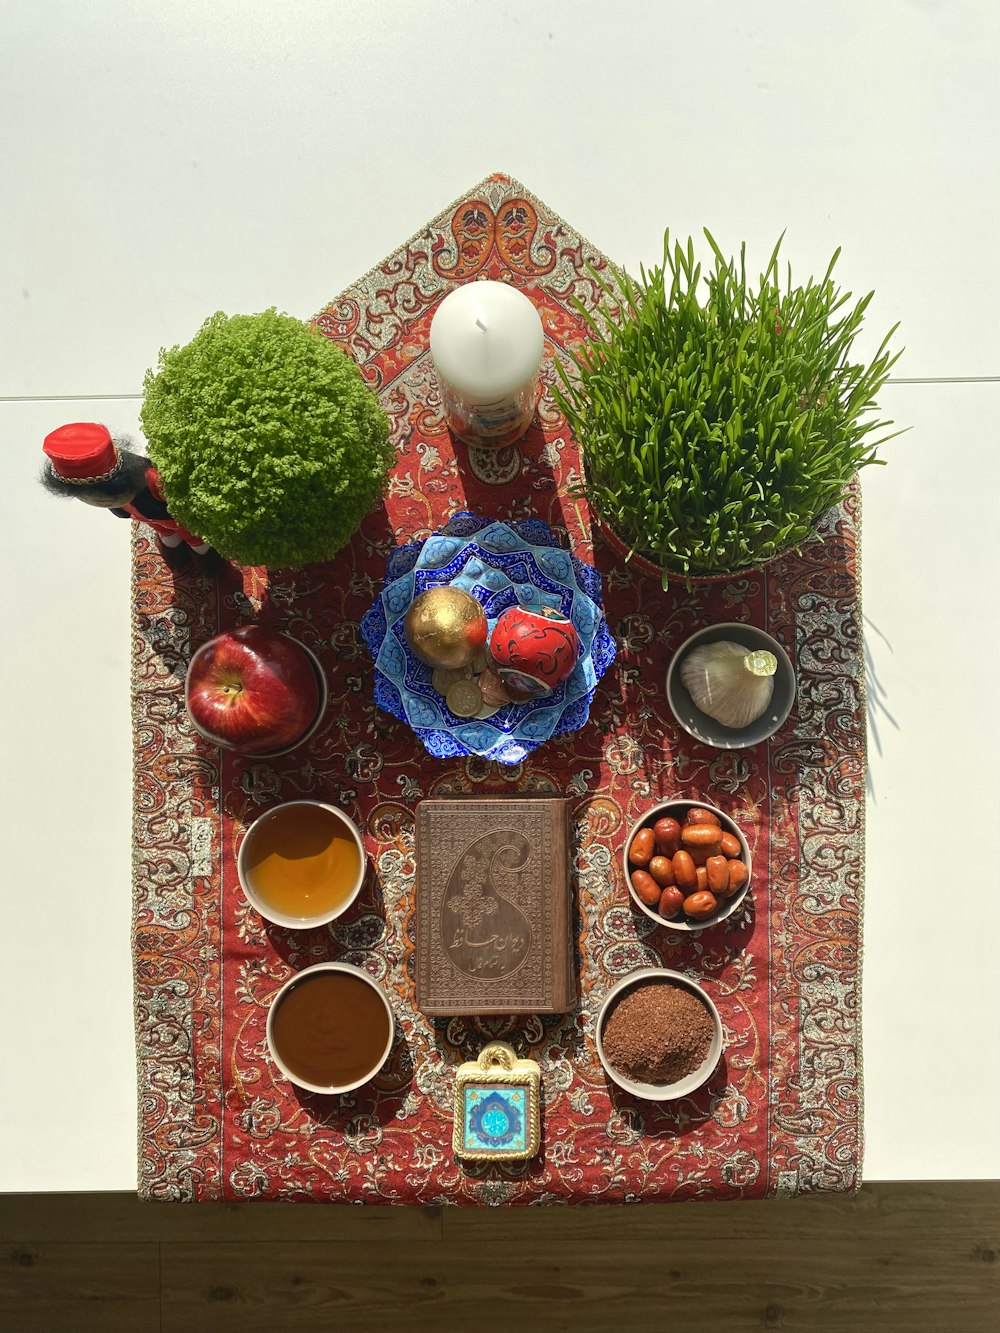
x,y
302,864
330,1028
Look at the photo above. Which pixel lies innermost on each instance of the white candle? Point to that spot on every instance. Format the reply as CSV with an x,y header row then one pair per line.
x,y
486,344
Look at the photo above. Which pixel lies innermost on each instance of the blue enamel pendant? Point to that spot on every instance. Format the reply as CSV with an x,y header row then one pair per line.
x,y
497,1101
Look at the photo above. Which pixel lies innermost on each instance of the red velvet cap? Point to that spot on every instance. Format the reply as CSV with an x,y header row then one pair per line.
x,y
80,450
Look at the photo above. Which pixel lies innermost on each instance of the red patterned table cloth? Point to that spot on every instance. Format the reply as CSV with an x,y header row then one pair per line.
x,y
782,1114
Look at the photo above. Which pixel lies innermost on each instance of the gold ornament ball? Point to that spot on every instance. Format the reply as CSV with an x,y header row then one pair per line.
x,y
446,627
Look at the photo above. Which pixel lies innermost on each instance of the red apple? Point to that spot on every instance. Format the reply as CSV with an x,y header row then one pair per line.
x,y
252,690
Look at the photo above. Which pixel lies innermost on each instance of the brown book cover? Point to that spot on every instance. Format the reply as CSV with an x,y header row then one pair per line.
x,y
494,906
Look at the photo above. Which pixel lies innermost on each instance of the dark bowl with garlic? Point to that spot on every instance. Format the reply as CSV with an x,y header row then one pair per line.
x,y
731,685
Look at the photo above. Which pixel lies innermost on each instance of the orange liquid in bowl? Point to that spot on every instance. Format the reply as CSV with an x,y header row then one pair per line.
x,y
330,1029
302,861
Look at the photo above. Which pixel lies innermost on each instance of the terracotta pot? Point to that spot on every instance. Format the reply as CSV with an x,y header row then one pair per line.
x,y
654,571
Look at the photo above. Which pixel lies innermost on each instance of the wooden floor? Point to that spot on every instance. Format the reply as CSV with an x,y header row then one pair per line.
x,y
896,1258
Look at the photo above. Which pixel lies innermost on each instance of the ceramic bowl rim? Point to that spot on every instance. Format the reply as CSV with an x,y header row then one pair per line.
x,y
735,627
275,917
728,824
662,1092
351,970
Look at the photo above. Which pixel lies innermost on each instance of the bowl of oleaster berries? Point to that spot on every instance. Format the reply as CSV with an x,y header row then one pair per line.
x,y
687,865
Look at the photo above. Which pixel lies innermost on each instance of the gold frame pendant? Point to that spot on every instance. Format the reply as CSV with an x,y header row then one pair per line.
x,y
497,1115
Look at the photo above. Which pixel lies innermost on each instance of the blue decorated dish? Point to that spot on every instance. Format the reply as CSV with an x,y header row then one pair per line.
x,y
501,565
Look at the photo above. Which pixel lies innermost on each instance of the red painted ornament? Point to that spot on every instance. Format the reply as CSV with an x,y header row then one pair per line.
x,y
533,650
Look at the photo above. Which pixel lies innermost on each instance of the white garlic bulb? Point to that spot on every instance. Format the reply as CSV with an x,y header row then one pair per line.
x,y
729,682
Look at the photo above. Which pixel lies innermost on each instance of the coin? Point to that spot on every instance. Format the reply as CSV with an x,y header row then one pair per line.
x,y
480,662
487,710
493,688
444,677
465,698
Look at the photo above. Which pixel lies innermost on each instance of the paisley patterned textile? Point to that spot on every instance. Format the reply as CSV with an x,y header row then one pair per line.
x,y
782,1113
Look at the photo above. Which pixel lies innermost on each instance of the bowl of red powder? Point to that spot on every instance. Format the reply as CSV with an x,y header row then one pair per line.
x,y
659,1035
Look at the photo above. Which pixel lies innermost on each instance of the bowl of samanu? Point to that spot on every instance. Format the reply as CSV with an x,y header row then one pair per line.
x,y
330,1028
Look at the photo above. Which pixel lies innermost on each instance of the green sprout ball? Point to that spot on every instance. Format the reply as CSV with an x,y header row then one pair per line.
x,y
269,443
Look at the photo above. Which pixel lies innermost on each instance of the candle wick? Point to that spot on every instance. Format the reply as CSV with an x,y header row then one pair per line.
x,y
481,325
